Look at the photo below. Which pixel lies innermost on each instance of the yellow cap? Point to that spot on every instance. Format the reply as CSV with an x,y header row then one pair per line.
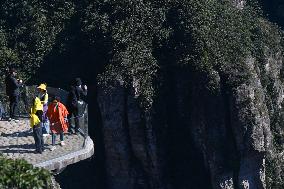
x,y
42,86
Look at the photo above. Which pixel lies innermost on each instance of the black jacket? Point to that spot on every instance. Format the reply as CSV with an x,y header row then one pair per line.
x,y
76,94
12,86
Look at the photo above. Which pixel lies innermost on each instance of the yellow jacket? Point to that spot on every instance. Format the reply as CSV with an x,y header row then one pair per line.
x,y
37,105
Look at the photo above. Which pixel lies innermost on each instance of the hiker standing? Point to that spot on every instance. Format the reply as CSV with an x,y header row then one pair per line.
x,y
13,91
35,121
57,114
77,91
43,96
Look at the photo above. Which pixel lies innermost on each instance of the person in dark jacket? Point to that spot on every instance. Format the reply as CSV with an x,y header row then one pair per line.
x,y
13,91
76,93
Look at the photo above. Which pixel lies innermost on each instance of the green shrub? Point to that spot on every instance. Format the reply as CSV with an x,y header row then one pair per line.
x,y
19,174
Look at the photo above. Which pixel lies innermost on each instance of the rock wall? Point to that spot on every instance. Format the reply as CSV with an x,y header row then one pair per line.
x,y
192,137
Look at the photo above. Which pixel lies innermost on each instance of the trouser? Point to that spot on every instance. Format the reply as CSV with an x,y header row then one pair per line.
x,y
74,111
37,132
45,121
45,127
14,100
53,137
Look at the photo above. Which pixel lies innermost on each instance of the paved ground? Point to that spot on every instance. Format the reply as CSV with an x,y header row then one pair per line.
x,y
16,141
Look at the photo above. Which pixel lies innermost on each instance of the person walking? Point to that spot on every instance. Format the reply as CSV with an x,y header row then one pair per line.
x,y
57,114
13,91
43,96
74,99
35,122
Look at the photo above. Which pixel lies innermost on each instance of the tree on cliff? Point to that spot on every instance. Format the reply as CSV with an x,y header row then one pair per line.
x,y
29,30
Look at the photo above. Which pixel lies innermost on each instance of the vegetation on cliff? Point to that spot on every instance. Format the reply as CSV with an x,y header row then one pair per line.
x,y
139,37
28,32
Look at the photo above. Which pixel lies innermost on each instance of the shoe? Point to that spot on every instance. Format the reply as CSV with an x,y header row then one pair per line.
x,y
52,148
15,118
9,119
62,143
38,152
76,132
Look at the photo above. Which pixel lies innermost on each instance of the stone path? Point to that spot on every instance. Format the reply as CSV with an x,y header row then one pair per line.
x,y
16,141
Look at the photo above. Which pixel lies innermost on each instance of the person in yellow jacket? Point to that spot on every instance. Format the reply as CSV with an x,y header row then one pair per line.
x,y
43,96
35,122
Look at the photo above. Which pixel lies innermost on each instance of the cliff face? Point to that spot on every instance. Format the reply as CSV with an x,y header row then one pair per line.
x,y
129,141
192,138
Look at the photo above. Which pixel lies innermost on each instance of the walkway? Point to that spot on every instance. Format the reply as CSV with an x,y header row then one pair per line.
x,y
16,141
